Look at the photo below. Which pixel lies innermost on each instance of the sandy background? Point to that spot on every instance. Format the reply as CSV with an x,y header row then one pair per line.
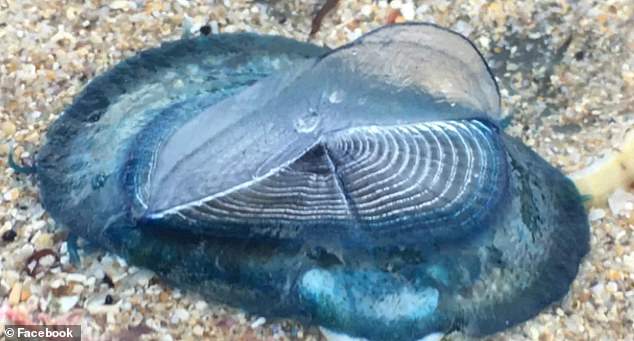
x,y
566,72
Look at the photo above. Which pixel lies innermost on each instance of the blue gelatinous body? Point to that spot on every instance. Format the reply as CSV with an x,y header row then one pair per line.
x,y
369,189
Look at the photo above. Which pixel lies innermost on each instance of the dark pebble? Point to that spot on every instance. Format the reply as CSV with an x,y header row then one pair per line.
x,y
579,55
205,30
9,236
108,281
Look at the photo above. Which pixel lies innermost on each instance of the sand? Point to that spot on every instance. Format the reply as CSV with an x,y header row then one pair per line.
x,y
566,73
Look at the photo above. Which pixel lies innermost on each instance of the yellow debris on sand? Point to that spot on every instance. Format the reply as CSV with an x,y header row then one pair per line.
x,y
614,170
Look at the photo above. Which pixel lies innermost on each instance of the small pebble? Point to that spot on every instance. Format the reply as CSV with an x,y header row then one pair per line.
x,y
12,194
9,236
108,281
215,27
596,214
76,277
14,295
66,303
366,10
201,305
164,296
198,330
579,55
621,202
122,5
205,30
408,11
260,321
8,129
179,315
25,294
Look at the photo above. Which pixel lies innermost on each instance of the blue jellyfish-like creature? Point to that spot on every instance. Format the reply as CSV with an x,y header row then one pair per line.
x,y
368,189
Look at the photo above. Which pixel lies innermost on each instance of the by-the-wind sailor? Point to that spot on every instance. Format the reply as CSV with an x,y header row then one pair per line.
x,y
369,189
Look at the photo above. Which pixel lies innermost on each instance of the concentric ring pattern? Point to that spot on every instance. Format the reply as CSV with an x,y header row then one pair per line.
x,y
425,175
